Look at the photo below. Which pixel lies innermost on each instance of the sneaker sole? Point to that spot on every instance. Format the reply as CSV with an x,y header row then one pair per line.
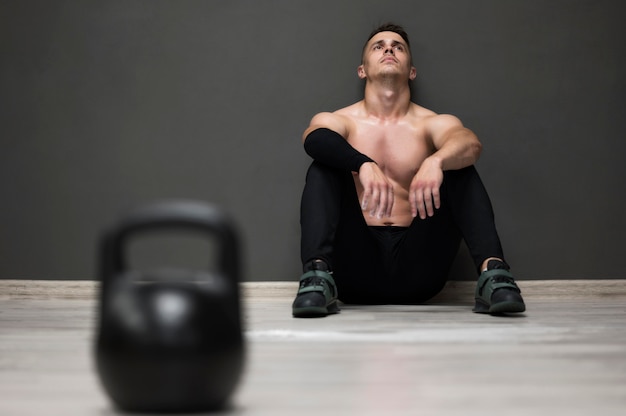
x,y
499,308
316,312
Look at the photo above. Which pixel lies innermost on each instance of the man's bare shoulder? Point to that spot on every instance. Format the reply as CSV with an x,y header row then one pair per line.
x,y
340,121
327,117
430,117
419,112
352,111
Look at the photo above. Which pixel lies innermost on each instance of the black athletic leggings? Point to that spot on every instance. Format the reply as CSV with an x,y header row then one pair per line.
x,y
402,265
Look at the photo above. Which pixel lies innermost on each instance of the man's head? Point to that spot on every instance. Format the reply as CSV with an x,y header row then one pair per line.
x,y
388,27
387,54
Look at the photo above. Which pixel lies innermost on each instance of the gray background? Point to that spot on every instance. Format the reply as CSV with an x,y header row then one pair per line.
x,y
108,105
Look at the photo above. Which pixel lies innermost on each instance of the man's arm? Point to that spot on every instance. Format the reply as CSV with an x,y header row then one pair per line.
x,y
456,147
325,141
329,121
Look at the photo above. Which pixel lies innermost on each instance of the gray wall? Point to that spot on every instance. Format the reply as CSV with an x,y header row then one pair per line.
x,y
108,105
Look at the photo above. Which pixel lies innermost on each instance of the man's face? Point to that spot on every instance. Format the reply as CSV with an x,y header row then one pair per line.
x,y
386,53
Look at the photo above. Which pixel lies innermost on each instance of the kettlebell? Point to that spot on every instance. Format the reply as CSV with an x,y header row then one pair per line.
x,y
169,340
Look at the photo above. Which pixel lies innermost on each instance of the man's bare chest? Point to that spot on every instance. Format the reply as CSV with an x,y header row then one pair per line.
x,y
402,146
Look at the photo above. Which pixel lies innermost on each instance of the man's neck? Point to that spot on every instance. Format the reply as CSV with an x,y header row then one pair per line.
x,y
387,101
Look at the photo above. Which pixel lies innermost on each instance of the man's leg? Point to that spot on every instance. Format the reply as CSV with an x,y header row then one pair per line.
x,y
334,237
320,212
423,258
471,209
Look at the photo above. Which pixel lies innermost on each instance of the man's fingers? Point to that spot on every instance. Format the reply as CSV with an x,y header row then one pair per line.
x,y
377,199
424,191
390,202
366,199
382,204
386,201
424,202
373,202
436,198
428,202
378,202
419,204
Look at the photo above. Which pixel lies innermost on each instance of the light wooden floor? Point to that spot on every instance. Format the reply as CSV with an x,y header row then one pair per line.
x,y
565,356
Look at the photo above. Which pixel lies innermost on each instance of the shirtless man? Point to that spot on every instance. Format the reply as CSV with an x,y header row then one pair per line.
x,y
390,194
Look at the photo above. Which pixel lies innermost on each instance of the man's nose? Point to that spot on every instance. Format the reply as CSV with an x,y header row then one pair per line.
x,y
389,49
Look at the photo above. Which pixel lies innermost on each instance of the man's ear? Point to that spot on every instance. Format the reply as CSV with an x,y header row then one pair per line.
x,y
412,73
361,72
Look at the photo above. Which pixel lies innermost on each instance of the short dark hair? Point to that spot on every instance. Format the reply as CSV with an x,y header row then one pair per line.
x,y
390,27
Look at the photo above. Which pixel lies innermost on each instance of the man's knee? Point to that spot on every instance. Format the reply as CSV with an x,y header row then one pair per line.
x,y
319,171
468,173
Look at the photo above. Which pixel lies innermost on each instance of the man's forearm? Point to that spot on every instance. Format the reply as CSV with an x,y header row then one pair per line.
x,y
461,149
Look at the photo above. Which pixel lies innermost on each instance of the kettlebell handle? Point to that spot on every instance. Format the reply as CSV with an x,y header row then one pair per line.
x,y
174,214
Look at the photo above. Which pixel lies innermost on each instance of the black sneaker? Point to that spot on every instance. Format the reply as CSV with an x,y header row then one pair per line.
x,y
497,292
317,294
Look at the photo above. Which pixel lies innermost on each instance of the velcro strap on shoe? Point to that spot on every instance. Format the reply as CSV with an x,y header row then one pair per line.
x,y
488,282
318,273
316,287
503,285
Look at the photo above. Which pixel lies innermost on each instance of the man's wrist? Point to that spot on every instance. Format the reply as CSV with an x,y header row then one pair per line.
x,y
364,164
361,160
435,161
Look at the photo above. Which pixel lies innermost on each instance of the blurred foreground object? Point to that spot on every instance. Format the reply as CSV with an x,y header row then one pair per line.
x,y
169,340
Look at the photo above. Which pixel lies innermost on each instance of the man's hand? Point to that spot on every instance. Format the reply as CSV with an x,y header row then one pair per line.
x,y
424,191
377,191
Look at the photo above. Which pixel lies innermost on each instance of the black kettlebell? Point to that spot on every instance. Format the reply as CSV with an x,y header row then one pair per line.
x,y
169,340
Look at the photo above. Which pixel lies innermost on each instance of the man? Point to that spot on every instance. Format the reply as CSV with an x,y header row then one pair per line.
x,y
389,195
